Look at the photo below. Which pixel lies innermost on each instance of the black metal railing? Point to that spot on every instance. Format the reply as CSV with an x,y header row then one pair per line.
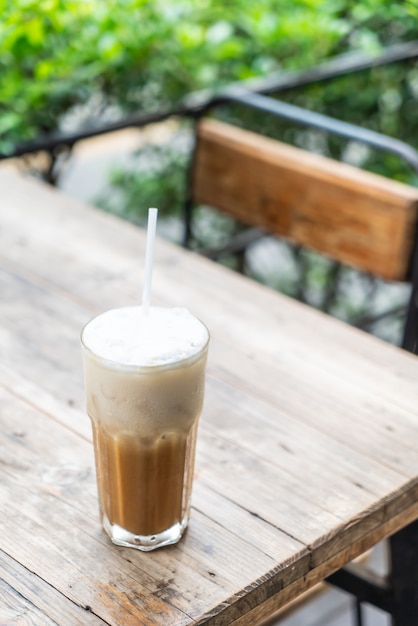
x,y
193,104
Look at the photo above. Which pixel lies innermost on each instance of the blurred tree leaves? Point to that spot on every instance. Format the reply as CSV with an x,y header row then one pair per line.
x,y
114,56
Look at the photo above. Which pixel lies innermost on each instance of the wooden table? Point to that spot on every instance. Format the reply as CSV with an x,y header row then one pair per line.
x,y
307,451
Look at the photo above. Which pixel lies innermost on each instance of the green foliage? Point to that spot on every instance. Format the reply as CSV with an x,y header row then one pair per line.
x,y
96,56
156,178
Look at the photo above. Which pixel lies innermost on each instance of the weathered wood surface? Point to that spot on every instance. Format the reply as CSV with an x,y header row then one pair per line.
x,y
354,216
307,449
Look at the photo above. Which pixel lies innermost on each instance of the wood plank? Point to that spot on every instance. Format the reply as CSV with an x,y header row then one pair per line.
x,y
26,598
356,217
49,339
349,414
273,602
356,478
14,609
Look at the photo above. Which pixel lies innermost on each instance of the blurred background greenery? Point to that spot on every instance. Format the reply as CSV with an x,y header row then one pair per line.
x,y
117,56
71,64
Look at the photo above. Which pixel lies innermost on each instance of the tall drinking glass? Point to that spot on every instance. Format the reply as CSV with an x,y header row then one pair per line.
x,y
144,381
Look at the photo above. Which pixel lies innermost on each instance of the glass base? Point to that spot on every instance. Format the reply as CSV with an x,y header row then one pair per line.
x,y
122,537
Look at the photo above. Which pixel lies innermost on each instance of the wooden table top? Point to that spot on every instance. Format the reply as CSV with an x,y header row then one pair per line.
x,y
307,449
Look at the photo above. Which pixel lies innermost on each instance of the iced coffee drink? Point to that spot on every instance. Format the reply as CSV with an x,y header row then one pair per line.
x,y
144,378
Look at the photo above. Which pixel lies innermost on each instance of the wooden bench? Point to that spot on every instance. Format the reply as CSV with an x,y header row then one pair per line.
x,y
355,217
351,215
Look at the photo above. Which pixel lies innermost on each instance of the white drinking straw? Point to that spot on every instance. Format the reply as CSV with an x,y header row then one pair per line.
x,y
149,259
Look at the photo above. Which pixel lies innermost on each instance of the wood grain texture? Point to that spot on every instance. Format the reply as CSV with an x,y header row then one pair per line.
x,y
27,599
356,217
306,450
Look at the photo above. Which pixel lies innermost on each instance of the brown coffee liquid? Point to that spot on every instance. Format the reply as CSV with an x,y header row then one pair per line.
x,y
144,486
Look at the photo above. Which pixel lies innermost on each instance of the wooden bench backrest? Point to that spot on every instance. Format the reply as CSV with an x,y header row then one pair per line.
x,y
351,215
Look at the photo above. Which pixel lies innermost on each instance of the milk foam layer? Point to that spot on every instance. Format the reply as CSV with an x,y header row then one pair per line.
x,y
131,337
